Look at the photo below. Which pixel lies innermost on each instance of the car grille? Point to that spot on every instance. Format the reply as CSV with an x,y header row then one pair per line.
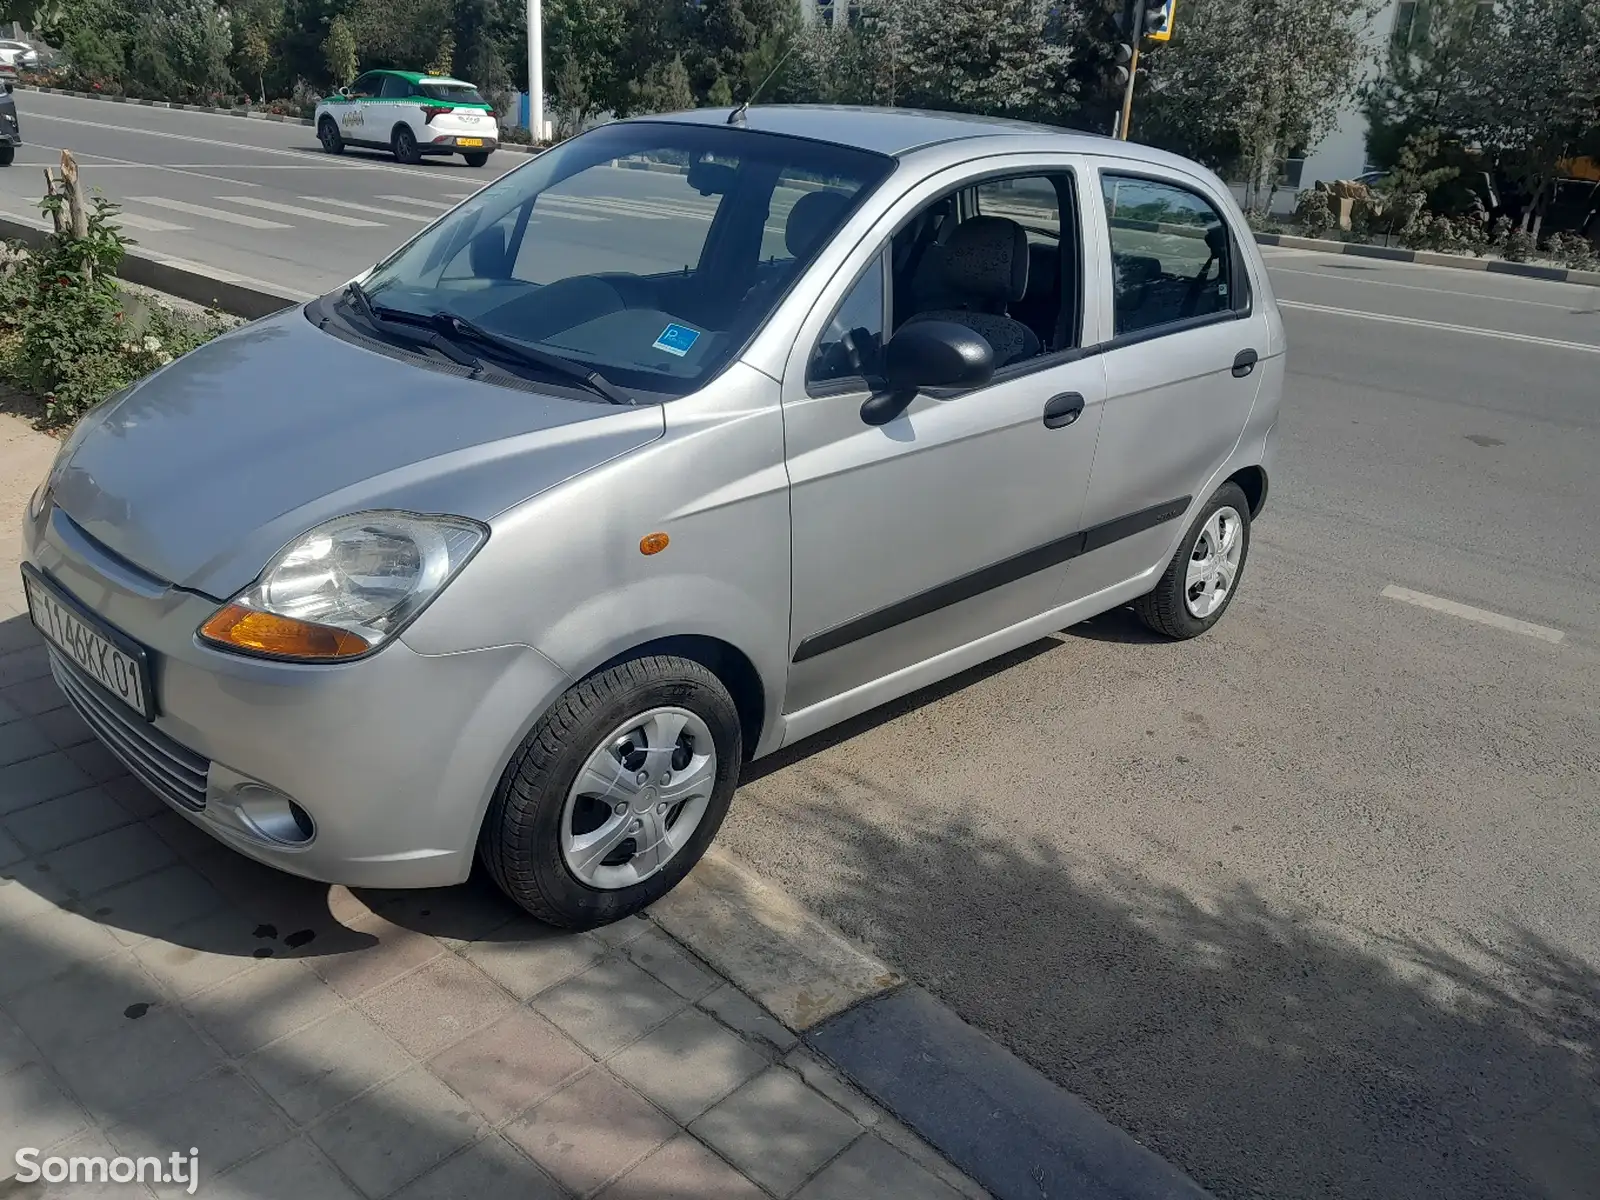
x,y
173,772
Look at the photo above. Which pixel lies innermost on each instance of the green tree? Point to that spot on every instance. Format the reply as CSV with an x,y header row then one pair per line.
x,y
257,25
998,57
1427,71
583,41
339,51
180,50
664,88
1532,94
1241,86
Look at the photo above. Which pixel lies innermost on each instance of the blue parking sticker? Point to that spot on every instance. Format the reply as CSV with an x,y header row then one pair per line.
x,y
677,339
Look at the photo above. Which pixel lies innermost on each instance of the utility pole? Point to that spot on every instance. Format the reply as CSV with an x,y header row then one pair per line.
x,y
536,69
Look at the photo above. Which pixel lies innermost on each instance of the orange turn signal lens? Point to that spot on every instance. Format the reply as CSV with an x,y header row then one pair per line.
x,y
280,637
653,543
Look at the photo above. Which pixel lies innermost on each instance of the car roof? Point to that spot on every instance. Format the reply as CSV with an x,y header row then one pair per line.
x,y
892,131
422,77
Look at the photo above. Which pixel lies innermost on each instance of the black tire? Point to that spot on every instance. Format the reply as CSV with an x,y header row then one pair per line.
x,y
8,155
404,144
330,137
520,842
1166,609
476,160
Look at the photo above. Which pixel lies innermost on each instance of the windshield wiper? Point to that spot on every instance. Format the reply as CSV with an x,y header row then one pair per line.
x,y
406,325
519,351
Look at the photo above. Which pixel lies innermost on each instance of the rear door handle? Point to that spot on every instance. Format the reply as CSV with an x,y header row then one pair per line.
x,y
1245,362
1063,410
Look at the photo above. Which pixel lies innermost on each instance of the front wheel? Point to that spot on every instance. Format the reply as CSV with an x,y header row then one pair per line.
x,y
1204,575
616,793
8,155
404,145
475,160
328,134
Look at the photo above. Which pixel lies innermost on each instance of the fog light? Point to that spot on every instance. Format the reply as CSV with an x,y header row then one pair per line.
x,y
273,816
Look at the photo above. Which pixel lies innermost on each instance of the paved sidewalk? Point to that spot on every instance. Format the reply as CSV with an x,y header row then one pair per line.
x,y
159,992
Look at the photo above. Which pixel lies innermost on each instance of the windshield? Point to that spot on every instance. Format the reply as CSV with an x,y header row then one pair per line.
x,y
452,93
647,251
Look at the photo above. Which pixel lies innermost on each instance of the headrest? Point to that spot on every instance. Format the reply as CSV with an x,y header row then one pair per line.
x,y
987,257
813,217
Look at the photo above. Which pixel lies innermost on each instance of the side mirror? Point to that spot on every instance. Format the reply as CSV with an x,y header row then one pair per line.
x,y
928,354
9,87
345,92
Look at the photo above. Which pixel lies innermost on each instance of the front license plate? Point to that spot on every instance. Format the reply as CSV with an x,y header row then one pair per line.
x,y
119,665
469,141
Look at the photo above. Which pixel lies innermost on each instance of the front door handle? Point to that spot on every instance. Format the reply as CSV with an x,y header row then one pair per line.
x,y
1245,362
1063,410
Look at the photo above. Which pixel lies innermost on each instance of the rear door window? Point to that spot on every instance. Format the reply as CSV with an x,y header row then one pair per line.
x,y
1171,254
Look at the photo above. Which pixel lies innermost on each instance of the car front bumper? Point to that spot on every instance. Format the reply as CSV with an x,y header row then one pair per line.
x,y
394,757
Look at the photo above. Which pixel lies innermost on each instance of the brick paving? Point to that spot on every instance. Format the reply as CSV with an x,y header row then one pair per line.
x,y
158,991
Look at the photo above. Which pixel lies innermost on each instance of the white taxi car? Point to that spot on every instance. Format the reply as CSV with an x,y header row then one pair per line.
x,y
410,114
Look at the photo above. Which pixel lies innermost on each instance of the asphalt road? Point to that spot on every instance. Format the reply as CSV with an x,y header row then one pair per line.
x,y
1308,905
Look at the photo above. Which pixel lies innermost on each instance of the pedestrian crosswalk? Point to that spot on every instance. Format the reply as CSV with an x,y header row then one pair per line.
x,y
278,213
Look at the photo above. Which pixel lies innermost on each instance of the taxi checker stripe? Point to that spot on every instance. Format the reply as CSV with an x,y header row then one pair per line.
x,y
295,211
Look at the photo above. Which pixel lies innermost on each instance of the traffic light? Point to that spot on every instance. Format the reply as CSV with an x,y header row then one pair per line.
x,y
1158,21
1124,70
1147,18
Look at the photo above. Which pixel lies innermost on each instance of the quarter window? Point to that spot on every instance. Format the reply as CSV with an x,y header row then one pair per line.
x,y
851,346
1170,254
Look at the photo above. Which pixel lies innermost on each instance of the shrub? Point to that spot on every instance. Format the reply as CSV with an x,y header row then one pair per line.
x,y
1571,249
1519,246
65,334
1313,208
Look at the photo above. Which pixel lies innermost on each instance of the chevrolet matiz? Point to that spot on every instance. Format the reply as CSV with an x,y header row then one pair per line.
x,y
686,440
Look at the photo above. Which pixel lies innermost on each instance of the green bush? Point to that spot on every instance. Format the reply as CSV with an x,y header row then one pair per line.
x,y
65,331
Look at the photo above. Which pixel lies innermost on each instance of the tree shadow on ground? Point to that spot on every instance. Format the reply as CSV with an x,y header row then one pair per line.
x,y
1264,1051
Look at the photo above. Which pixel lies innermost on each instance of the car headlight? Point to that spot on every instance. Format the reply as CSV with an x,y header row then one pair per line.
x,y
347,587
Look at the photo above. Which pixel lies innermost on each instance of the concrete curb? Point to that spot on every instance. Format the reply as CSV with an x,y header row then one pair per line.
x,y
799,968
233,294
1459,262
996,1118
248,114
991,1115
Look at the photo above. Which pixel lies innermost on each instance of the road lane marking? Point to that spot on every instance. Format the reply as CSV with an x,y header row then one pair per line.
x,y
148,224
1467,613
108,162
310,213
358,206
1412,287
1419,323
440,205
242,147
215,214
566,216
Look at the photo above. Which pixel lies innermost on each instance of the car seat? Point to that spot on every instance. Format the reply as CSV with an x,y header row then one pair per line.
x,y
985,270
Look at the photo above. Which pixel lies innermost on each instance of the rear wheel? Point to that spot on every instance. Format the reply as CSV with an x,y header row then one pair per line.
x,y
616,793
1204,575
8,155
475,160
328,134
404,145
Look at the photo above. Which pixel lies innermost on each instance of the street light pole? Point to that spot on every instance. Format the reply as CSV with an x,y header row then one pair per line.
x,y
536,69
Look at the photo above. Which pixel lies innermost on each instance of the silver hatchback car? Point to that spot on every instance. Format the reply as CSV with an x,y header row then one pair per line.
x,y
684,441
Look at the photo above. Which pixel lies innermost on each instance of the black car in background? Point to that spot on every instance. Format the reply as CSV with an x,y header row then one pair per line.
x,y
10,131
